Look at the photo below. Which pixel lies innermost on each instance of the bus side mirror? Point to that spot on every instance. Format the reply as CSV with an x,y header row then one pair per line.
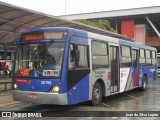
x,y
77,55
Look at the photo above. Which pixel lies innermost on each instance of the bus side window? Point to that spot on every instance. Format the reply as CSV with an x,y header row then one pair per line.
x,y
142,61
148,58
78,56
126,56
154,58
83,57
134,58
100,57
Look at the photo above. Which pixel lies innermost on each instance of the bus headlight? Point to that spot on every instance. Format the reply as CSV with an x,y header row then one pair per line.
x,y
55,88
15,86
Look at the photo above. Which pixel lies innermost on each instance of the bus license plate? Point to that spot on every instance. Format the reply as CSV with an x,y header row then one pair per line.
x,y
33,96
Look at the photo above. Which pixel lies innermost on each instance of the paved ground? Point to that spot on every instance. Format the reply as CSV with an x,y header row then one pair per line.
x,y
134,100
5,83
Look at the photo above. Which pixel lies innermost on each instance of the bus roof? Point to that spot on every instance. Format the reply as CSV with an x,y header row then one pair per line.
x,y
71,31
136,45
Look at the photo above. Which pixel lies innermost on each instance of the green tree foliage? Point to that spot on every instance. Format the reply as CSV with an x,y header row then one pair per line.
x,y
102,24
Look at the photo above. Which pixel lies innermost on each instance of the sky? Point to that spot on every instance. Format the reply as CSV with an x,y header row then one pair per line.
x,y
58,7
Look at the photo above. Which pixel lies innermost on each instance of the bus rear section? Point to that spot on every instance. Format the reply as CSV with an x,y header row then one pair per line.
x,y
158,61
138,66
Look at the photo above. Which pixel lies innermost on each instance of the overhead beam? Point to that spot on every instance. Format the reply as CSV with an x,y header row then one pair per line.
x,y
152,25
114,13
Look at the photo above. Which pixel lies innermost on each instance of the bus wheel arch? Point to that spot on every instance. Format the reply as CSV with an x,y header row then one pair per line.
x,y
146,77
98,92
144,82
101,82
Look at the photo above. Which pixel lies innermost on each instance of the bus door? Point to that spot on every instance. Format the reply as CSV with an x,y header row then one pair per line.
x,y
114,67
135,70
78,73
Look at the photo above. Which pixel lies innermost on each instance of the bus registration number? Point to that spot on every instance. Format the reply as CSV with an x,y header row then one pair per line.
x,y
46,83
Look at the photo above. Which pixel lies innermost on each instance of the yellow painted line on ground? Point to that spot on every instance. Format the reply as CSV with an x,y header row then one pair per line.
x,y
135,86
133,96
109,106
155,85
152,92
11,103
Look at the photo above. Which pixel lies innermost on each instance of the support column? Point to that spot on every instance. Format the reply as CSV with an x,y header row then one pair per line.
x,y
5,51
116,26
152,25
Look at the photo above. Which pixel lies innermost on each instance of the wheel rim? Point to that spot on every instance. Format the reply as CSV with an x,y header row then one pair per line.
x,y
96,93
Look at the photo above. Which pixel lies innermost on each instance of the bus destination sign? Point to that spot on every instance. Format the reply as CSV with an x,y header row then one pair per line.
x,y
44,36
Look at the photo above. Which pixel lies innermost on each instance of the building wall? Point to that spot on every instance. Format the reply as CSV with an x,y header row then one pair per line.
x,y
133,30
127,27
140,33
153,41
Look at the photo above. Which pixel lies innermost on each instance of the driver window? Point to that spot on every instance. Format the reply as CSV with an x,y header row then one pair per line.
x,y
83,57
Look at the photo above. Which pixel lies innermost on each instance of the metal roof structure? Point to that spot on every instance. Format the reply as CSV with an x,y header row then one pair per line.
x,y
14,19
154,10
147,16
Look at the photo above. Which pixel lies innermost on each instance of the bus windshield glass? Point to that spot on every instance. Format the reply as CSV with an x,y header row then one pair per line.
x,y
39,60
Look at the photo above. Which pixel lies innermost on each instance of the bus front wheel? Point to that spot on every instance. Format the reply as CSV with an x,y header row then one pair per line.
x,y
96,94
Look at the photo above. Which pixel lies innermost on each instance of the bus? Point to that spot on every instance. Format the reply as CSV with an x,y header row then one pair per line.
x,y
66,66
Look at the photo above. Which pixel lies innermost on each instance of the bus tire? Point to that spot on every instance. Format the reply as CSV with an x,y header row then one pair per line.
x,y
96,94
144,83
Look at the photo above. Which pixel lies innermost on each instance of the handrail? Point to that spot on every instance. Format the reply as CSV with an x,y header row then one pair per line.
x,y
5,88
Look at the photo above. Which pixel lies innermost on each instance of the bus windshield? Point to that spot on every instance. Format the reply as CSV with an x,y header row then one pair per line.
x,y
39,60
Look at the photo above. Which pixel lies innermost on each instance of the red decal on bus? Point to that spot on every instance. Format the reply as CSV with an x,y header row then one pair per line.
x,y
20,81
24,72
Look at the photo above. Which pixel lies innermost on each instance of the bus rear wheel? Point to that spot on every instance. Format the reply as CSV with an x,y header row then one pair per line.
x,y
96,94
144,83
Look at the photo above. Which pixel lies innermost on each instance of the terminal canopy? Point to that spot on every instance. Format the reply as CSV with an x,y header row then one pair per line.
x,y
14,20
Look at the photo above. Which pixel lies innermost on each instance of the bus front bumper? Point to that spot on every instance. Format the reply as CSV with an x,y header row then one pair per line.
x,y
40,97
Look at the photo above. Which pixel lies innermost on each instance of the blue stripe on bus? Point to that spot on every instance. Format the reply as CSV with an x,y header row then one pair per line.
x,y
40,85
80,92
63,87
148,71
79,40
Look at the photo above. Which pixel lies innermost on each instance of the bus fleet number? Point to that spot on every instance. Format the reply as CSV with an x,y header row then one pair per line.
x,y
45,82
